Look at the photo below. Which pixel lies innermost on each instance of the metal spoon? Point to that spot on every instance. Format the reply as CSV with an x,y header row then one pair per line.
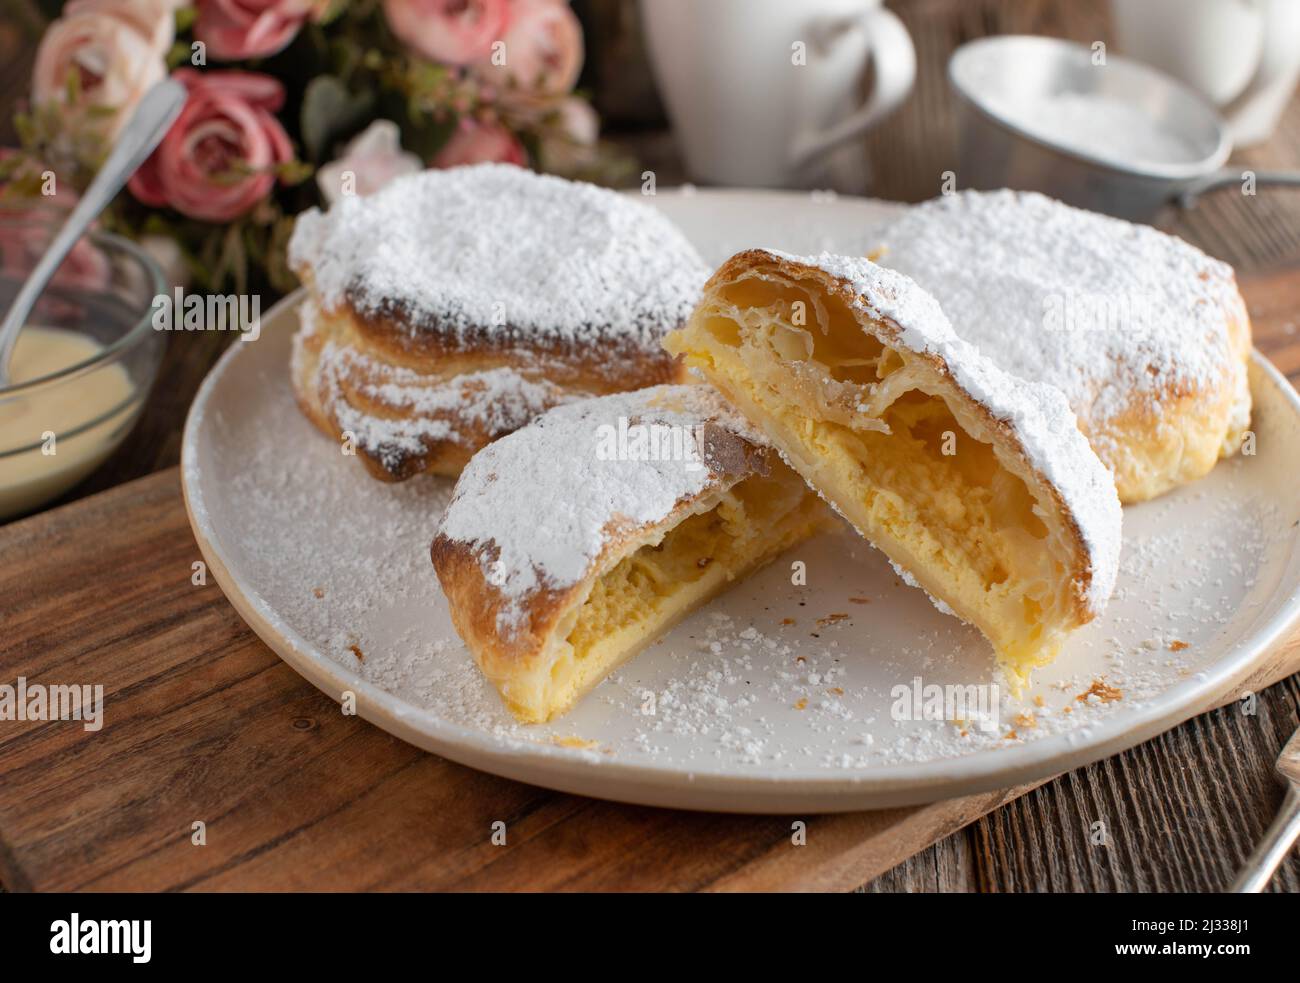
x,y
1281,836
148,125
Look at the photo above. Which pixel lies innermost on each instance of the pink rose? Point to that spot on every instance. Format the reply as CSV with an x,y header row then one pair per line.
x,y
237,29
25,233
219,158
451,32
113,59
543,50
26,227
480,143
374,158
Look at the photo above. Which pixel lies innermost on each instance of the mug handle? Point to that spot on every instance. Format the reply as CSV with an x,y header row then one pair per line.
x,y
890,47
1266,72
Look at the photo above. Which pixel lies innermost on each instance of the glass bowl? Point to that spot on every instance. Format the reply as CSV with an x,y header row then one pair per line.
x,y
84,365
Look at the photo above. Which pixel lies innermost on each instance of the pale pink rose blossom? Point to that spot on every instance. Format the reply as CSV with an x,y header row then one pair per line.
x,y
579,121
154,20
236,29
479,143
114,62
450,32
542,50
219,158
374,157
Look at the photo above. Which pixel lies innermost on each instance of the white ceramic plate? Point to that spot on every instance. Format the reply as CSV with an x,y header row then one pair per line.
x,y
776,698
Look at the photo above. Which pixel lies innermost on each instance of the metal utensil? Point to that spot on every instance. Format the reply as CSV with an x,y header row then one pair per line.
x,y
1281,836
1229,176
1000,80
142,134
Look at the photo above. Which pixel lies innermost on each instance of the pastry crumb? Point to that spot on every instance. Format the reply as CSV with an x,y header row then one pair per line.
x,y
1102,692
577,742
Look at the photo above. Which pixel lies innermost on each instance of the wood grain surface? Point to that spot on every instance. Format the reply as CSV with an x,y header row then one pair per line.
x,y
203,723
1183,809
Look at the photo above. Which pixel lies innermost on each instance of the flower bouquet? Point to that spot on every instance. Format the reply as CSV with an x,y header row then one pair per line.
x,y
293,103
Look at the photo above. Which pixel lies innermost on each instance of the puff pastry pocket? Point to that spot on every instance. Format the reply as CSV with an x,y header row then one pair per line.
x,y
453,306
1147,336
571,544
978,486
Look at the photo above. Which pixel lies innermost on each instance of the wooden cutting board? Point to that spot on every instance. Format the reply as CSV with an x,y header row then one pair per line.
x,y
204,724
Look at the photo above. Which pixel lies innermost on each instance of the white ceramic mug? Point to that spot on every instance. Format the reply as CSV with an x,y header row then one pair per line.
x,y
760,91
1242,55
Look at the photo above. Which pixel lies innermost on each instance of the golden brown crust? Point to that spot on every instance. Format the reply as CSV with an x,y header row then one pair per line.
x,y
347,387
394,336
422,343
1176,434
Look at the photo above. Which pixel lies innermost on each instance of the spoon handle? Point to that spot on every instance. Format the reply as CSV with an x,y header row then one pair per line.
x,y
150,122
1272,850
1226,176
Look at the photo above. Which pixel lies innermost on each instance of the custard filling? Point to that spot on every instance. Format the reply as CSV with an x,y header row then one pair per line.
x,y
646,589
910,468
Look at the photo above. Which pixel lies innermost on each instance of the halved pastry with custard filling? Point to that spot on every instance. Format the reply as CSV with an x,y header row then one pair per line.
x,y
572,543
977,485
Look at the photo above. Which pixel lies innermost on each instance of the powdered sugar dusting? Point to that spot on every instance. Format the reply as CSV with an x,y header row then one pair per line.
x,y
1107,311
1097,124
497,400
537,506
1038,414
527,259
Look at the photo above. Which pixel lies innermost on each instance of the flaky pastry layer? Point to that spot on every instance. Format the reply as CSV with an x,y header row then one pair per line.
x,y
404,413
918,464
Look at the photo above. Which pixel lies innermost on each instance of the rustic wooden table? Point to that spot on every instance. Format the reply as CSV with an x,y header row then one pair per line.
x,y
1181,803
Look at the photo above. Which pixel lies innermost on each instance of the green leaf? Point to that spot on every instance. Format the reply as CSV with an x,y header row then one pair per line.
x,y
330,112
25,127
293,172
72,85
179,54
335,8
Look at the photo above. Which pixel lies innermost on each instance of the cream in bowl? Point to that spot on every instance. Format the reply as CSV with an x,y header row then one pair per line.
x,y
82,367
